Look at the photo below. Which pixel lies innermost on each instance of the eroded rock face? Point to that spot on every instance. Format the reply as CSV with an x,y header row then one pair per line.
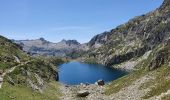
x,y
98,40
161,57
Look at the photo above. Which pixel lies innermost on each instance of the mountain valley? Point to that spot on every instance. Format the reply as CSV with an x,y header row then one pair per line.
x,y
29,68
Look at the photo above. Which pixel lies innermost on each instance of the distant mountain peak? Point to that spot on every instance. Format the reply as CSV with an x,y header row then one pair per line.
x,y
70,42
43,47
63,40
75,42
42,39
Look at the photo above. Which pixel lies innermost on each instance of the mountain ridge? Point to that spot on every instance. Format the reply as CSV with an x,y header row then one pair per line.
x,y
43,47
132,39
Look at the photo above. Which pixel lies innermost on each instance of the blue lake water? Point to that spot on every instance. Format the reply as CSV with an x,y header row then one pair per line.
x,y
73,73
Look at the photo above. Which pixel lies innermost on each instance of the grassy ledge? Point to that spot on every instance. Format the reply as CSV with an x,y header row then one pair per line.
x,y
125,81
20,92
161,84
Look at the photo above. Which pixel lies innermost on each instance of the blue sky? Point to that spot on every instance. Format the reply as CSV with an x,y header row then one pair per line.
x,y
67,19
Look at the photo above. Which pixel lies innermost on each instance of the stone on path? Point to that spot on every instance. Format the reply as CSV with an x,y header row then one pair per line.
x,y
83,93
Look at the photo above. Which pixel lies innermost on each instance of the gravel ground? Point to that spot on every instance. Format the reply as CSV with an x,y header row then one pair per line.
x,y
131,92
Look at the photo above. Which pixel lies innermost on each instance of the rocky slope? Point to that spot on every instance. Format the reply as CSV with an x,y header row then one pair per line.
x,y
142,45
24,77
46,48
132,40
10,54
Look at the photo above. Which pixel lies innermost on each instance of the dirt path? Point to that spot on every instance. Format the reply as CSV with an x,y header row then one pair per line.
x,y
9,71
2,76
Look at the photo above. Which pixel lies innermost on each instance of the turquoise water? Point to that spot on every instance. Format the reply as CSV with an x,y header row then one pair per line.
x,y
73,73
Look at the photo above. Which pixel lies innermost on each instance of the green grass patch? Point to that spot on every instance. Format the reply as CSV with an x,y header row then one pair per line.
x,y
160,84
123,82
20,92
91,61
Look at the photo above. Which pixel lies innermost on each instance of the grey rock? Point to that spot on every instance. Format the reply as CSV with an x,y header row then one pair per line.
x,y
17,59
100,82
10,81
82,93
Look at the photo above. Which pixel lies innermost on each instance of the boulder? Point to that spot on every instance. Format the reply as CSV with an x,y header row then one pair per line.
x,y
83,93
100,82
57,76
17,59
67,86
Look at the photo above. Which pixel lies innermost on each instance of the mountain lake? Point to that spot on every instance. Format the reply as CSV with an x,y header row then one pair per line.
x,y
74,73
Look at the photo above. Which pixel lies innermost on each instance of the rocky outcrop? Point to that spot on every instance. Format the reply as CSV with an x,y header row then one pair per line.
x,y
32,85
117,59
98,40
161,57
10,81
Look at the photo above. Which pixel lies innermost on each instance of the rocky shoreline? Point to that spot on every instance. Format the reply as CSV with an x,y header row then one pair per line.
x,y
97,92
93,91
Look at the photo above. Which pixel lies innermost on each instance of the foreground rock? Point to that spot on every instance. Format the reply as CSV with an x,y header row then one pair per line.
x,y
100,82
89,92
83,93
